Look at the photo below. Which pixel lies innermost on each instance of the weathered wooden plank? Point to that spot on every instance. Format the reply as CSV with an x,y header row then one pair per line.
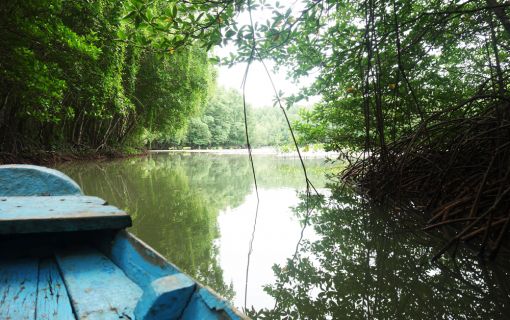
x,y
18,288
150,271
52,299
28,180
166,298
98,288
55,214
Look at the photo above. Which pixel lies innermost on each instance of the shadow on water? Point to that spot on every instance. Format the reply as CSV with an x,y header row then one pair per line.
x,y
372,264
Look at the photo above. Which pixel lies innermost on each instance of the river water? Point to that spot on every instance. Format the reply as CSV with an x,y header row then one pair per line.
x,y
354,261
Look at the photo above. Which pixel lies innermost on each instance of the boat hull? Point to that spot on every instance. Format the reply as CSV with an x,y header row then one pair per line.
x,y
108,274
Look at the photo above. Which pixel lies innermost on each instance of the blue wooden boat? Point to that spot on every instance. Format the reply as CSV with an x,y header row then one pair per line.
x,y
64,255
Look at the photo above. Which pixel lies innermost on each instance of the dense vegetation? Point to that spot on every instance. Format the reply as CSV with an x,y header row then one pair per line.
x,y
221,125
384,67
418,89
96,75
421,87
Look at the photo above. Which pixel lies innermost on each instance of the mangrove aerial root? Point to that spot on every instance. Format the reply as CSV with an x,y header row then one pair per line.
x,y
456,171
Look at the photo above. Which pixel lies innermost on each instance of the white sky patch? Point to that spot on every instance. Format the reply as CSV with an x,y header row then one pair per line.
x,y
259,92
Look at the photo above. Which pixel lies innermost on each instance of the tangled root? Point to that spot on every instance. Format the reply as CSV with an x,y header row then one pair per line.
x,y
456,171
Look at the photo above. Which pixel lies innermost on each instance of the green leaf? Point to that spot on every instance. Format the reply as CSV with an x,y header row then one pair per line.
x,y
230,33
173,10
129,15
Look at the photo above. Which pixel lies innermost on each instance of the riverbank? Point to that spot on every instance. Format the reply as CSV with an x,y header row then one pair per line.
x,y
42,157
257,151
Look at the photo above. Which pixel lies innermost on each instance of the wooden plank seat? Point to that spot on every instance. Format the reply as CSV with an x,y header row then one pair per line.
x,y
36,199
80,283
31,288
59,213
97,287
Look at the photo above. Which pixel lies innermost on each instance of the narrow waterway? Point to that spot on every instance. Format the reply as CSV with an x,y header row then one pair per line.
x,y
355,261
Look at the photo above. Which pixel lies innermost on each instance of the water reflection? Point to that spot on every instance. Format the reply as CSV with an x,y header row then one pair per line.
x,y
194,208
355,263
369,264
278,231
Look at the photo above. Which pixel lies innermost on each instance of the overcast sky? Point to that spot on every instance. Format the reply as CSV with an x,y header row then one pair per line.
x,y
259,91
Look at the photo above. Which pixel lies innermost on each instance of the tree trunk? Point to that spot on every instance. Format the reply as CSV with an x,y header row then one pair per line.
x,y
499,10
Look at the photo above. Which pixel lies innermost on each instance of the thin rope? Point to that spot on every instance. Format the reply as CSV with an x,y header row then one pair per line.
x,y
309,184
245,78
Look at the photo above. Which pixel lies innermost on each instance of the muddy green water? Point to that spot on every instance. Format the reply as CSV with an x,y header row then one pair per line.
x,y
354,263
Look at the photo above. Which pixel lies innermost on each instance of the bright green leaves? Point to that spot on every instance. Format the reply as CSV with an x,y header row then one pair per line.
x,y
129,15
97,70
176,24
172,10
223,117
199,134
43,89
79,43
170,89
229,34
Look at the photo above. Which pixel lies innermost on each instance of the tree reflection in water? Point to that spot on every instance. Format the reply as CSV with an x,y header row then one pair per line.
x,y
361,263
370,264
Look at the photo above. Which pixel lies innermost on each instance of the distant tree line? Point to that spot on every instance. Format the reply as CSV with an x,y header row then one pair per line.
x,y
221,125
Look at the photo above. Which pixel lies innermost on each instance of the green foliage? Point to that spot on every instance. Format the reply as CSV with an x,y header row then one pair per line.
x,y
270,127
383,67
169,88
199,134
83,75
225,118
170,25
221,124
334,124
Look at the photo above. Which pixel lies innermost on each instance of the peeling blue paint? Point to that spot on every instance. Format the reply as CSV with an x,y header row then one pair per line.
x,y
52,299
165,298
140,262
97,287
106,273
28,180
